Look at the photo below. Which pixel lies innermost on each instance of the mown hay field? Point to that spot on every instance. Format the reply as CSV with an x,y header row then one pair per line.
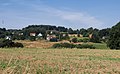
x,y
59,61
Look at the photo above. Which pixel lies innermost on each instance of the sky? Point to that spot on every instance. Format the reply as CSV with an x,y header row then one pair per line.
x,y
76,14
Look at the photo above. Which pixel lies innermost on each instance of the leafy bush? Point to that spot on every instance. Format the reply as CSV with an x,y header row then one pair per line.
x,y
80,40
18,45
54,40
74,40
32,38
6,43
84,40
68,45
9,43
95,38
85,46
63,45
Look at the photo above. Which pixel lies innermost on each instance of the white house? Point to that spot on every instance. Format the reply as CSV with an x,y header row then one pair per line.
x,y
39,35
8,37
32,34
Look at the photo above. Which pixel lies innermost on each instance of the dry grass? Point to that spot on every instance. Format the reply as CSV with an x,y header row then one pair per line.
x,y
36,44
59,61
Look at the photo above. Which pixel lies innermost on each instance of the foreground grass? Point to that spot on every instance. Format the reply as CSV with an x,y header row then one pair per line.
x,y
59,61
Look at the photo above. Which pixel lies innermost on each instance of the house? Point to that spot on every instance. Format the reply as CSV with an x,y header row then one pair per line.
x,y
39,35
8,37
32,34
90,36
64,35
105,37
49,37
20,34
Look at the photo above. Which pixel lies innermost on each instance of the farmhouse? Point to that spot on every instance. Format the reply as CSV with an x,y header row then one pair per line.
x,y
8,37
32,34
40,35
49,37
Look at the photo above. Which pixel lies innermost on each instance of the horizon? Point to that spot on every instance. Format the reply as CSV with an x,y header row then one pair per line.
x,y
15,14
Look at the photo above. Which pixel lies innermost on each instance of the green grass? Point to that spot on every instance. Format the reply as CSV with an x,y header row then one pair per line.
x,y
100,45
59,61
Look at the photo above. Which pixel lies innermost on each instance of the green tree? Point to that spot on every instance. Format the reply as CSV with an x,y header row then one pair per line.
x,y
95,38
83,32
114,39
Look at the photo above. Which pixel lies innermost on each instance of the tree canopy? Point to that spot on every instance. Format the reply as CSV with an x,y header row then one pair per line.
x,y
114,39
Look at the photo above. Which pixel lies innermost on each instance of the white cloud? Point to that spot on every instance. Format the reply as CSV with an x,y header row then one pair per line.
x,y
72,16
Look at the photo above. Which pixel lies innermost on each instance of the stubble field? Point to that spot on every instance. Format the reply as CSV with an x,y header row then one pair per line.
x,y
59,61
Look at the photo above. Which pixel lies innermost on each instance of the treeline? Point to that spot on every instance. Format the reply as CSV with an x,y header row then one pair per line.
x,y
109,35
44,29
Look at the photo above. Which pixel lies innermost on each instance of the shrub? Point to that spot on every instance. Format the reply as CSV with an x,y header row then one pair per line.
x,y
84,40
32,38
85,46
80,40
63,45
6,43
74,40
95,38
18,45
57,45
54,40
68,45
9,43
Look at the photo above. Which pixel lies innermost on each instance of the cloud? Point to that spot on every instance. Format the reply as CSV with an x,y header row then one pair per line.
x,y
80,18
72,16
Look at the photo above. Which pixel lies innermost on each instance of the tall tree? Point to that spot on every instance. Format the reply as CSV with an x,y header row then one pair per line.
x,y
83,32
114,39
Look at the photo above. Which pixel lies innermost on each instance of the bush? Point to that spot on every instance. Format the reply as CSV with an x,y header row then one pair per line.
x,y
9,43
74,40
68,45
18,45
6,43
54,40
80,40
63,45
32,38
85,46
95,38
84,40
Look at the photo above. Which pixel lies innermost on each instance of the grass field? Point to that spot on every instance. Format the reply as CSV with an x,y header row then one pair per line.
x,y
59,61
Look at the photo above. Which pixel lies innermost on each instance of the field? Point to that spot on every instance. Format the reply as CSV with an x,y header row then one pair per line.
x,y
59,61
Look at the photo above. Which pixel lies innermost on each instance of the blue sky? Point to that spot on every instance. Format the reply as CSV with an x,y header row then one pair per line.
x,y
17,14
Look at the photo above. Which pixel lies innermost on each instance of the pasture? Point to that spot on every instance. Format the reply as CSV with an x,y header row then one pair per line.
x,y
59,61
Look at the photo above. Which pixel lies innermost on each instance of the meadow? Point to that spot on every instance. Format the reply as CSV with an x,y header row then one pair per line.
x,y
59,61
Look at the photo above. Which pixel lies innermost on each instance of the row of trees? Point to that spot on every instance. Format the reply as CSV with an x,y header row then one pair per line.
x,y
109,35
44,28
